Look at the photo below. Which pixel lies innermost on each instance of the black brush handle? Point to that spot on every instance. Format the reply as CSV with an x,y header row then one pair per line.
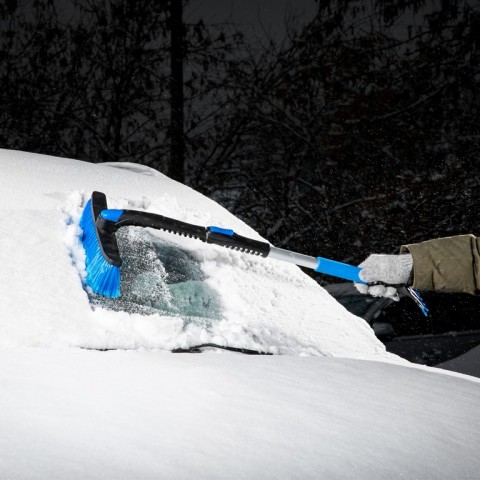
x,y
230,239
115,219
109,221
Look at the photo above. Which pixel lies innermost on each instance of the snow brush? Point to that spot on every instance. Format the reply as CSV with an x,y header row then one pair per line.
x,y
102,257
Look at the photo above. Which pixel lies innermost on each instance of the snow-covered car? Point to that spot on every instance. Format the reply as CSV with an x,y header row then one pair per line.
x,y
90,388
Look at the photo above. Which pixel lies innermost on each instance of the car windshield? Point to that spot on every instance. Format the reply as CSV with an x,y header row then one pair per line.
x,y
159,276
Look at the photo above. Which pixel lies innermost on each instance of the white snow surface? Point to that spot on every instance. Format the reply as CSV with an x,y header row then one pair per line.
x,y
333,405
266,304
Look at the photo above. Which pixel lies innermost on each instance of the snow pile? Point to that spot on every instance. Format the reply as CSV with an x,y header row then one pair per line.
x,y
262,304
151,415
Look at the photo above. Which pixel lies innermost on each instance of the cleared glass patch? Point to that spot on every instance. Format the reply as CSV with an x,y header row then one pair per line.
x,y
160,277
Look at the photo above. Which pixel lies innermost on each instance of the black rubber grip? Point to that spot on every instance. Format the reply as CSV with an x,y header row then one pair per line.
x,y
136,218
237,242
214,235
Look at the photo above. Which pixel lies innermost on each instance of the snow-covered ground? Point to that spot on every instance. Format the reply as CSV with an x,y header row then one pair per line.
x,y
335,404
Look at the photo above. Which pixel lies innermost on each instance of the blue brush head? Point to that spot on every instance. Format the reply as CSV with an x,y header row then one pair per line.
x,y
103,272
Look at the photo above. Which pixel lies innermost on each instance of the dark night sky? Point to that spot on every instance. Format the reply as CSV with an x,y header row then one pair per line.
x,y
253,16
258,19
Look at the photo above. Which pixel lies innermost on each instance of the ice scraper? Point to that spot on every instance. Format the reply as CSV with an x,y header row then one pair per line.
x,y
103,262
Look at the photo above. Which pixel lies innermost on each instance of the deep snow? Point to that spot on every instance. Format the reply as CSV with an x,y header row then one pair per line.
x,y
155,415
335,405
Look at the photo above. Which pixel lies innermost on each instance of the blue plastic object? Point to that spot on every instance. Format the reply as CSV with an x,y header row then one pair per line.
x,y
223,231
102,277
418,300
111,215
339,269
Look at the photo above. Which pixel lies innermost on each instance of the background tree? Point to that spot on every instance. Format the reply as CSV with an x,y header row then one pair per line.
x,y
177,101
359,132
121,48
360,136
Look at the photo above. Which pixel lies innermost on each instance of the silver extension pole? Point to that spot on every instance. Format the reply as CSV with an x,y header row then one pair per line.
x,y
293,257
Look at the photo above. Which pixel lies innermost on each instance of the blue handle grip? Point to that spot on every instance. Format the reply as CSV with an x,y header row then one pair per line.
x,y
339,269
111,214
223,231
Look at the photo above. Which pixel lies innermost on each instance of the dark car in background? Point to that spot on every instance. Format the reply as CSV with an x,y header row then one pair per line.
x,y
451,329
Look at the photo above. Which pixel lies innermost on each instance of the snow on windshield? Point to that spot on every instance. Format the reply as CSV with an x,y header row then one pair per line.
x,y
178,291
159,276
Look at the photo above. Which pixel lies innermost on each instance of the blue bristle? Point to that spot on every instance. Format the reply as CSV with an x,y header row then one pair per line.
x,y
102,277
